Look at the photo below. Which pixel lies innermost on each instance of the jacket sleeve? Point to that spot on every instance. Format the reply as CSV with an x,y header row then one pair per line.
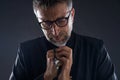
x,y
19,71
105,68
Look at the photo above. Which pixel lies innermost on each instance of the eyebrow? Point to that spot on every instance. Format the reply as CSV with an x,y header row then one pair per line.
x,y
52,20
56,18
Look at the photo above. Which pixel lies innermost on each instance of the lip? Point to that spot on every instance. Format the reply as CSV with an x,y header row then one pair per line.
x,y
57,38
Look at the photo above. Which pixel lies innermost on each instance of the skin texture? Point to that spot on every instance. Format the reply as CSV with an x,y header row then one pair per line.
x,y
58,36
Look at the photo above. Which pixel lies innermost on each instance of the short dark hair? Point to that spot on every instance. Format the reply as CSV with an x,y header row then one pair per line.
x,y
49,3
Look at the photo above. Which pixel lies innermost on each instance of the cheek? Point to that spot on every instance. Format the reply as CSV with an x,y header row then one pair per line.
x,y
47,33
67,29
70,24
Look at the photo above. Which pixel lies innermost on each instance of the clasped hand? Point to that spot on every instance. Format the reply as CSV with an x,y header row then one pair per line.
x,y
64,55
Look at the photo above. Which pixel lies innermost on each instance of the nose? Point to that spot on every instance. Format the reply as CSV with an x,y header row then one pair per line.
x,y
55,29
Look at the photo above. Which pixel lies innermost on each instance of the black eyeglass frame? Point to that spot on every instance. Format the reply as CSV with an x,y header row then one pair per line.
x,y
55,21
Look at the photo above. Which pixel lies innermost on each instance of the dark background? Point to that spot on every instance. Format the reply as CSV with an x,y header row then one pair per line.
x,y
95,18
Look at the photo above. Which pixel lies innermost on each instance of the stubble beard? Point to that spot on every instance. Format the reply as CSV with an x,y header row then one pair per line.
x,y
64,38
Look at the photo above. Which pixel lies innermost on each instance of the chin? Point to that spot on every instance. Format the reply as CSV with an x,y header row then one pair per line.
x,y
65,38
58,44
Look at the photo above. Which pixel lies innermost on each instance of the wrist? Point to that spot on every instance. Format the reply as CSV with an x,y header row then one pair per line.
x,y
64,77
46,77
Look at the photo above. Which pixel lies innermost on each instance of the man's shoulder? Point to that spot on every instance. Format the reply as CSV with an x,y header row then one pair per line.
x,y
88,40
34,42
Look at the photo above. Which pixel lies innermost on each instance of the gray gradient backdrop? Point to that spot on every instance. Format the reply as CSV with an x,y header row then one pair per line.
x,y
96,18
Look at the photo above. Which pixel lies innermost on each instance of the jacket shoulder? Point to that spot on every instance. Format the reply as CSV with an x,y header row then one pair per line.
x,y
34,43
89,41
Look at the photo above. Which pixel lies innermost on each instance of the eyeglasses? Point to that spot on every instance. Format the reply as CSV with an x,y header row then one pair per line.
x,y
60,22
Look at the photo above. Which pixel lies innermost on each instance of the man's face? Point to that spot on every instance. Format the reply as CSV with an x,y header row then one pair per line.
x,y
56,34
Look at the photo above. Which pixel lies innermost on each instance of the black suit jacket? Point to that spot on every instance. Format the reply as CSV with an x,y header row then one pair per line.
x,y
90,59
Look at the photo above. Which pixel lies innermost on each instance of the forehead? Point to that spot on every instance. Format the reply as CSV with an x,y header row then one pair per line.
x,y
52,13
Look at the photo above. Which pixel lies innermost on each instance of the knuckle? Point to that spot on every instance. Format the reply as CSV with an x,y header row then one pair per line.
x,y
49,54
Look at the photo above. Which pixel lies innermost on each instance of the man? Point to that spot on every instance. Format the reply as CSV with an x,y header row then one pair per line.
x,y
61,54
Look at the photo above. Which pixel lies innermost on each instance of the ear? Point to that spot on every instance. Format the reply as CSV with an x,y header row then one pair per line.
x,y
73,13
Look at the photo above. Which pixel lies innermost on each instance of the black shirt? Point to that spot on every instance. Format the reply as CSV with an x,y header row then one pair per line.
x,y
90,59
